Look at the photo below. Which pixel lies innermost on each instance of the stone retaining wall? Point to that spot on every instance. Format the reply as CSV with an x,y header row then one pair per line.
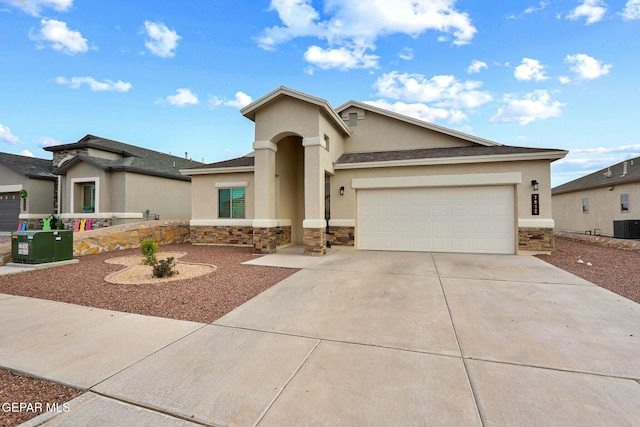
x,y
609,242
128,236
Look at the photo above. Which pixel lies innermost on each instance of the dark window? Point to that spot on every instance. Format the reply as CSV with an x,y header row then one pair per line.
x,y
231,202
624,202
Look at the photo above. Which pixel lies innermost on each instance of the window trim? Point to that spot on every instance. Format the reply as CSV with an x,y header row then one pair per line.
x,y
585,205
231,186
624,204
84,181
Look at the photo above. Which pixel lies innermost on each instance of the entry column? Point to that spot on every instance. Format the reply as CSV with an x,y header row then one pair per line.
x,y
314,224
264,224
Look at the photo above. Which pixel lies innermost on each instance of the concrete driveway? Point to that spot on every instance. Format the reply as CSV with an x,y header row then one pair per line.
x,y
380,338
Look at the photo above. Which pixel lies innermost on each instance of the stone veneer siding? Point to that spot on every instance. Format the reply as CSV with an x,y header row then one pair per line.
x,y
265,240
536,239
129,236
222,235
341,236
315,241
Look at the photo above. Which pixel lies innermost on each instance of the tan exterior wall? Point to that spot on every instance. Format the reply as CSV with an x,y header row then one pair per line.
x,y
344,207
95,152
40,196
83,172
286,116
376,132
169,198
604,208
205,194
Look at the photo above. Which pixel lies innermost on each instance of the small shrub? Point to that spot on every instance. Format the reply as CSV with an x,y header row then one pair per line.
x,y
164,268
148,248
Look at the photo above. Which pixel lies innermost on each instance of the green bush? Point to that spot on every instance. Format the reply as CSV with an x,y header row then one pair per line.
x,y
148,248
164,268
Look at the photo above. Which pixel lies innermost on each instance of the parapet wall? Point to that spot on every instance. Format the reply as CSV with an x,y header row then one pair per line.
x,y
128,236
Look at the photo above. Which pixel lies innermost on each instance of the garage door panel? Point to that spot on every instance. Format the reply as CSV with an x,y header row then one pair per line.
x,y
453,219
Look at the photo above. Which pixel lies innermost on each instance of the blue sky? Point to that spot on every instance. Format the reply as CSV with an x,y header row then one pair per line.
x,y
172,76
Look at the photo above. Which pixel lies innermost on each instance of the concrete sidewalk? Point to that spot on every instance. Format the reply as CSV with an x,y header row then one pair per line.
x,y
355,338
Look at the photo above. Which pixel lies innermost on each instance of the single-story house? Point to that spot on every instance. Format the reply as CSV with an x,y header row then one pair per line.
x,y
363,176
593,203
27,186
112,182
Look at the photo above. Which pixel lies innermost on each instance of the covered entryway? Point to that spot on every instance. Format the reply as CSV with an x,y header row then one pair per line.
x,y
9,211
437,219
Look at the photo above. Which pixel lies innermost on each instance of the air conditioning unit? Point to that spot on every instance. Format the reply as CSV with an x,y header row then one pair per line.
x,y
626,229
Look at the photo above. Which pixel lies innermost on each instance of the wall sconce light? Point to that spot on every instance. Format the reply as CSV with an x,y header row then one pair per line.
x,y
534,184
342,191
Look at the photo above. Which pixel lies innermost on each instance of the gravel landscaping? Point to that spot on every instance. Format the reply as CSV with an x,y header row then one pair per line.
x,y
210,296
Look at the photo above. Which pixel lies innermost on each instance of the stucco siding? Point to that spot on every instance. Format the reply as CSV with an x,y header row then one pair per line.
x,y
604,208
376,132
344,207
40,196
205,195
168,198
287,114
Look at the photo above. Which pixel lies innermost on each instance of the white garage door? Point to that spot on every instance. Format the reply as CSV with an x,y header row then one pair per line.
x,y
451,219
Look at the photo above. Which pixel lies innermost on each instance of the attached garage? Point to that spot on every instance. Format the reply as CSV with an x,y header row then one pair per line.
x,y
9,211
438,219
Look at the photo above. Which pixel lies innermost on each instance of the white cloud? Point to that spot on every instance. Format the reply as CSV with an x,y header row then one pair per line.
x,y
47,141
592,10
7,136
162,41
564,80
634,148
241,100
587,67
94,85
61,38
476,66
442,90
532,9
183,98
34,7
421,111
631,10
354,26
530,69
342,58
26,153
406,54
536,105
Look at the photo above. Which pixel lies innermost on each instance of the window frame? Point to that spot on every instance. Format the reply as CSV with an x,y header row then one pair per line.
x,y
624,202
585,205
231,189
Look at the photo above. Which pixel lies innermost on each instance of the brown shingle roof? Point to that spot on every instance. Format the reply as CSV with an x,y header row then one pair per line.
x,y
433,153
603,178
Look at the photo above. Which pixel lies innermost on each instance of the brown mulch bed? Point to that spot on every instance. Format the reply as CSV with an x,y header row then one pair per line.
x,y
33,394
614,269
201,299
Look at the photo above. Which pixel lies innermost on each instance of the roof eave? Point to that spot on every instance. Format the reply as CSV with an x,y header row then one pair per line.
x,y
250,110
209,171
455,160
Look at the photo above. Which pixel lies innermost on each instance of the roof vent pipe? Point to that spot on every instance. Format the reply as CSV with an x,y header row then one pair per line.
x,y
624,169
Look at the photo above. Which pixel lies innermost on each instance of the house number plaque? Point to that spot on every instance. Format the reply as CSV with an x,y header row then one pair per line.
x,y
535,204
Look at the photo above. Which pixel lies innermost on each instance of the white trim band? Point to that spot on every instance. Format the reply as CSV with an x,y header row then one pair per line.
x,y
475,179
232,184
10,188
209,171
536,223
223,222
264,145
314,223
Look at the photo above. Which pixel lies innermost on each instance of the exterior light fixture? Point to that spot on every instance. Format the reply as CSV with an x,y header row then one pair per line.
x,y
534,184
342,191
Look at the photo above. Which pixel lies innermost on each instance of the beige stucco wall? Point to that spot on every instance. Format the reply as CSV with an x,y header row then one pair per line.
x,y
604,208
344,207
40,196
169,198
205,194
376,132
95,152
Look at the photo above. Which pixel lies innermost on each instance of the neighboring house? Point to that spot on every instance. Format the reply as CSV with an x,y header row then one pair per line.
x,y
111,183
592,203
360,175
20,176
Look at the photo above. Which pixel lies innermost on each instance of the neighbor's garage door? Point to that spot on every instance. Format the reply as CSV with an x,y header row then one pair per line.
x,y
9,211
451,219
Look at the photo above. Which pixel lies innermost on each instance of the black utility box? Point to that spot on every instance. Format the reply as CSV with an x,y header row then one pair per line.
x,y
626,229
